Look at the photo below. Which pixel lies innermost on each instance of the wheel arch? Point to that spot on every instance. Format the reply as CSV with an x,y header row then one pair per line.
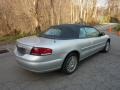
x,y
74,51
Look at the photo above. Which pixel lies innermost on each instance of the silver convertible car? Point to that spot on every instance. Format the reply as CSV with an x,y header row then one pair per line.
x,y
60,47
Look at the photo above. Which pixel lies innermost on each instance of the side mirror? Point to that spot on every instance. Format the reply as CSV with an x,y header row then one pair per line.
x,y
101,34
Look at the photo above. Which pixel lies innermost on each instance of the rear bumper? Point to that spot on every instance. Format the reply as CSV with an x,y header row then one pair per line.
x,y
33,66
38,63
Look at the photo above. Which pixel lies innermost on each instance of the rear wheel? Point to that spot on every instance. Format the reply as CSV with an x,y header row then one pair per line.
x,y
70,64
107,47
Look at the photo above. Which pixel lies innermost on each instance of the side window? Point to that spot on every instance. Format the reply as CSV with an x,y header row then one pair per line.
x,y
91,32
82,33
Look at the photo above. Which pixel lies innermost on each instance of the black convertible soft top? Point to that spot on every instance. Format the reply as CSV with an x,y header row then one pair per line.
x,y
66,31
71,26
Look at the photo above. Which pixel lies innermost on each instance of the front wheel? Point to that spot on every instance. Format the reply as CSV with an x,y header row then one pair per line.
x,y
107,47
70,64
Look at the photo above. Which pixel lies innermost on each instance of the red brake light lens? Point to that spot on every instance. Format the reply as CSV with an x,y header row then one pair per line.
x,y
41,51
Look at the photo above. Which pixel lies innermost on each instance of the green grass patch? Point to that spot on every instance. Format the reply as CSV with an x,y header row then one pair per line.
x,y
117,28
8,39
12,38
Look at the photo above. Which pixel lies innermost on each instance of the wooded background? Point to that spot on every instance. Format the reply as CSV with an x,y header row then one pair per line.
x,y
31,16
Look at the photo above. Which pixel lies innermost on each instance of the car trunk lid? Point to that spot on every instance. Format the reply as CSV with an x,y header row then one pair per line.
x,y
35,41
25,45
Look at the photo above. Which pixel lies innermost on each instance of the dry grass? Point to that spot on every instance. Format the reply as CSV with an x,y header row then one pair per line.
x,y
25,17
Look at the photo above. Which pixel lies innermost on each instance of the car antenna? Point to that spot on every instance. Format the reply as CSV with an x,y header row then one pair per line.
x,y
54,38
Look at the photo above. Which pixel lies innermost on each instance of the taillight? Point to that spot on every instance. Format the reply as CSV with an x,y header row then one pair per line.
x,y
41,51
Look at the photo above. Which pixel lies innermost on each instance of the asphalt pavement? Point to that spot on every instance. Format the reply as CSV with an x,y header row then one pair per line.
x,y
98,72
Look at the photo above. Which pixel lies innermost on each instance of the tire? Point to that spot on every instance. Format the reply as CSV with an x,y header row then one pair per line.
x,y
70,64
107,47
